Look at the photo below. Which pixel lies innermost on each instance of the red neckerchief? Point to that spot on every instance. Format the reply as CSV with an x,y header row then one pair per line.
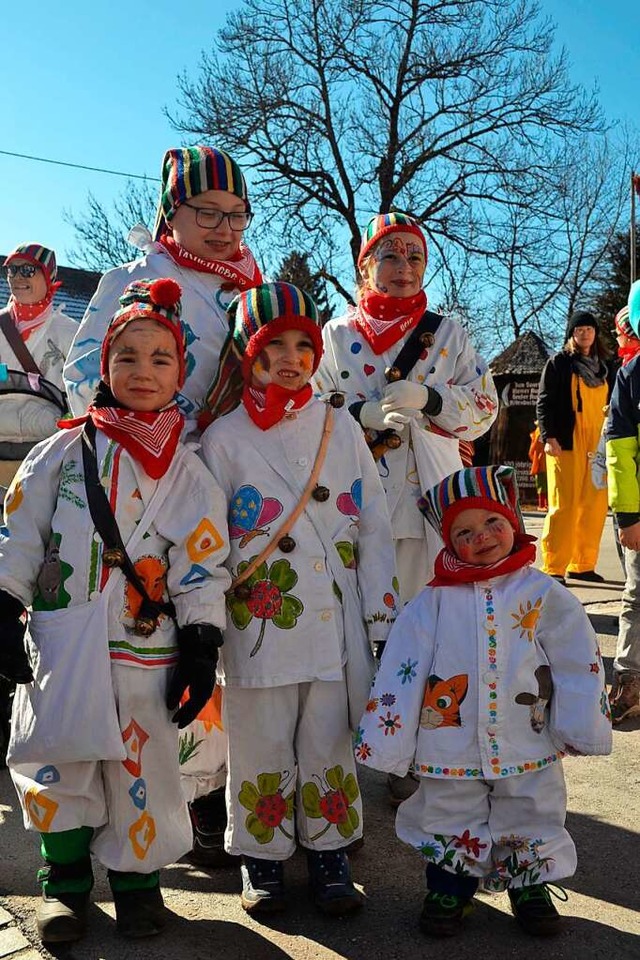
x,y
450,571
383,320
241,272
29,316
150,438
629,351
268,407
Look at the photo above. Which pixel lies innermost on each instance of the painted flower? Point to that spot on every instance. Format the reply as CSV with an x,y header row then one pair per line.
x,y
389,724
267,806
407,670
388,699
363,751
430,851
470,844
372,705
332,801
358,736
269,598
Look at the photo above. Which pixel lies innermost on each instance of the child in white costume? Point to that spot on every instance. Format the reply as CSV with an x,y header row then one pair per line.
x,y
297,658
489,676
111,785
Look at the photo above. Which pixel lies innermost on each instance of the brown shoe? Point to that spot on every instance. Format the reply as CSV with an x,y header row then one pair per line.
x,y
208,821
62,919
401,788
625,696
139,913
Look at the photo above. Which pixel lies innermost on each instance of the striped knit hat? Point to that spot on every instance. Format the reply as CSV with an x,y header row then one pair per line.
x,y
622,324
39,256
384,223
489,488
190,171
255,317
634,308
157,300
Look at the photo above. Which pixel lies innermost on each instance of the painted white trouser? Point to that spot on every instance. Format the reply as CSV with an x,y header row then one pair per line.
x,y
203,751
291,770
414,562
136,805
509,832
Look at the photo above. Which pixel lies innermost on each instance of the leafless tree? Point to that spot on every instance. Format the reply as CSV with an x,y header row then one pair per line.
x,y
345,108
101,233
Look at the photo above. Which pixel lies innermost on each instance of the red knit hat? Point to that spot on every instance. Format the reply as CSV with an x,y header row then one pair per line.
x,y
157,300
385,223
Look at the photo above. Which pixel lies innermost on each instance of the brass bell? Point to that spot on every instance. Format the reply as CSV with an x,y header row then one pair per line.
x,y
145,626
392,374
242,591
336,400
286,544
393,441
113,557
427,339
321,494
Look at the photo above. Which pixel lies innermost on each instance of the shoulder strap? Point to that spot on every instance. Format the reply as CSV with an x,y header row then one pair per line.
x,y
287,524
416,343
115,553
17,344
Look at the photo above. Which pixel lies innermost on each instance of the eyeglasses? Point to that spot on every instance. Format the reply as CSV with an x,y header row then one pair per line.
x,y
25,270
210,219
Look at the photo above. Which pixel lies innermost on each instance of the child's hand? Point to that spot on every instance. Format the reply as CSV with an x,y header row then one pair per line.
x,y
198,645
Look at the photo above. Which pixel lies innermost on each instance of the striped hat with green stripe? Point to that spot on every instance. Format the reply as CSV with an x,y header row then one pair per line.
x,y
256,317
39,256
190,171
385,223
488,488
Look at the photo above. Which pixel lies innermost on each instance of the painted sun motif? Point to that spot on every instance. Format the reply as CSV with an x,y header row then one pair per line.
x,y
527,618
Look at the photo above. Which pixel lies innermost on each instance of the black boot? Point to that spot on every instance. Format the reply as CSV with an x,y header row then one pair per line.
x,y
61,915
262,886
330,882
139,912
209,821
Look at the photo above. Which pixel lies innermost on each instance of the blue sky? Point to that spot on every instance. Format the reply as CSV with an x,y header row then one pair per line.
x,y
87,83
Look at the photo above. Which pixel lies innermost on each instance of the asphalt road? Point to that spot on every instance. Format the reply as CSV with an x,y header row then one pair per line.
x,y
602,918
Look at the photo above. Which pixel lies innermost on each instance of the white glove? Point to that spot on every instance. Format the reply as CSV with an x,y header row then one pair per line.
x,y
404,394
373,417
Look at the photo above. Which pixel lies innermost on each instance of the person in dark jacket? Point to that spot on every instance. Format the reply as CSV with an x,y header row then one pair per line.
x,y
574,390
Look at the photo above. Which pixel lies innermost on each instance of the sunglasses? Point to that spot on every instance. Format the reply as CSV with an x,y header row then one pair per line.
x,y
25,270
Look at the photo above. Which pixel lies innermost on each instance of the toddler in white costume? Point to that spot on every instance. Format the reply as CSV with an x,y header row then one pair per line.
x,y
489,677
93,751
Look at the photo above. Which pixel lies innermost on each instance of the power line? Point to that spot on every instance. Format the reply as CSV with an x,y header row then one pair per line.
x,y
79,166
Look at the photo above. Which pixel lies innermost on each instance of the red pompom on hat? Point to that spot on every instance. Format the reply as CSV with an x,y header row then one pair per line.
x,y
157,300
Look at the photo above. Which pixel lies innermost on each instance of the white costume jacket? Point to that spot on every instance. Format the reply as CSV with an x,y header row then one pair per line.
x,y
26,419
487,680
203,315
307,603
51,555
429,450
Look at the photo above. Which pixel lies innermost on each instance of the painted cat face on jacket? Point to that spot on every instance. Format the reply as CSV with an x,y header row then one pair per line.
x,y
441,702
481,537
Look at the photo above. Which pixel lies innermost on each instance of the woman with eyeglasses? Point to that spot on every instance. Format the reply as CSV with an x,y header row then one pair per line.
x,y
35,337
197,240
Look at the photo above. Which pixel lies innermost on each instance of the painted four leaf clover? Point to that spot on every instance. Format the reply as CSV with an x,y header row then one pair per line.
x,y
267,806
333,804
269,599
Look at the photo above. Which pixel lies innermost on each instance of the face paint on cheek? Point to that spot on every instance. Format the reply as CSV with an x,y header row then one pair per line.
x,y
306,362
377,284
261,369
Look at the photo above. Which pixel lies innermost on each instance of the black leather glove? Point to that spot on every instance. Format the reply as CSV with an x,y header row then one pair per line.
x,y
14,663
196,669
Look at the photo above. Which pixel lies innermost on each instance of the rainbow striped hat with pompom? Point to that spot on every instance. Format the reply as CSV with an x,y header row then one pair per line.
x,y
385,223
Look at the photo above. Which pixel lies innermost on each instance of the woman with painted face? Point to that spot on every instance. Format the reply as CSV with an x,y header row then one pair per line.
x,y
574,389
411,379
202,214
35,338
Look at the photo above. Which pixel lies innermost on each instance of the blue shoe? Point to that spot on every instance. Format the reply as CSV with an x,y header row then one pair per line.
x,y
262,886
330,882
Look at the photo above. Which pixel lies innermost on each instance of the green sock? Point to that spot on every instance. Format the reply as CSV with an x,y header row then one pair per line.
x,y
121,882
69,848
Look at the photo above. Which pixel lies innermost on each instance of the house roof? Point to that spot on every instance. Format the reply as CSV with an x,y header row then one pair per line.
x,y
78,286
525,356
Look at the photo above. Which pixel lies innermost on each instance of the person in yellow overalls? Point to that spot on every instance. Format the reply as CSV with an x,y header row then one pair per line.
x,y
574,390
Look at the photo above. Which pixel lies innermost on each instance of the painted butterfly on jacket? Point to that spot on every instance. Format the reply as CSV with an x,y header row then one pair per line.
x,y
250,513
